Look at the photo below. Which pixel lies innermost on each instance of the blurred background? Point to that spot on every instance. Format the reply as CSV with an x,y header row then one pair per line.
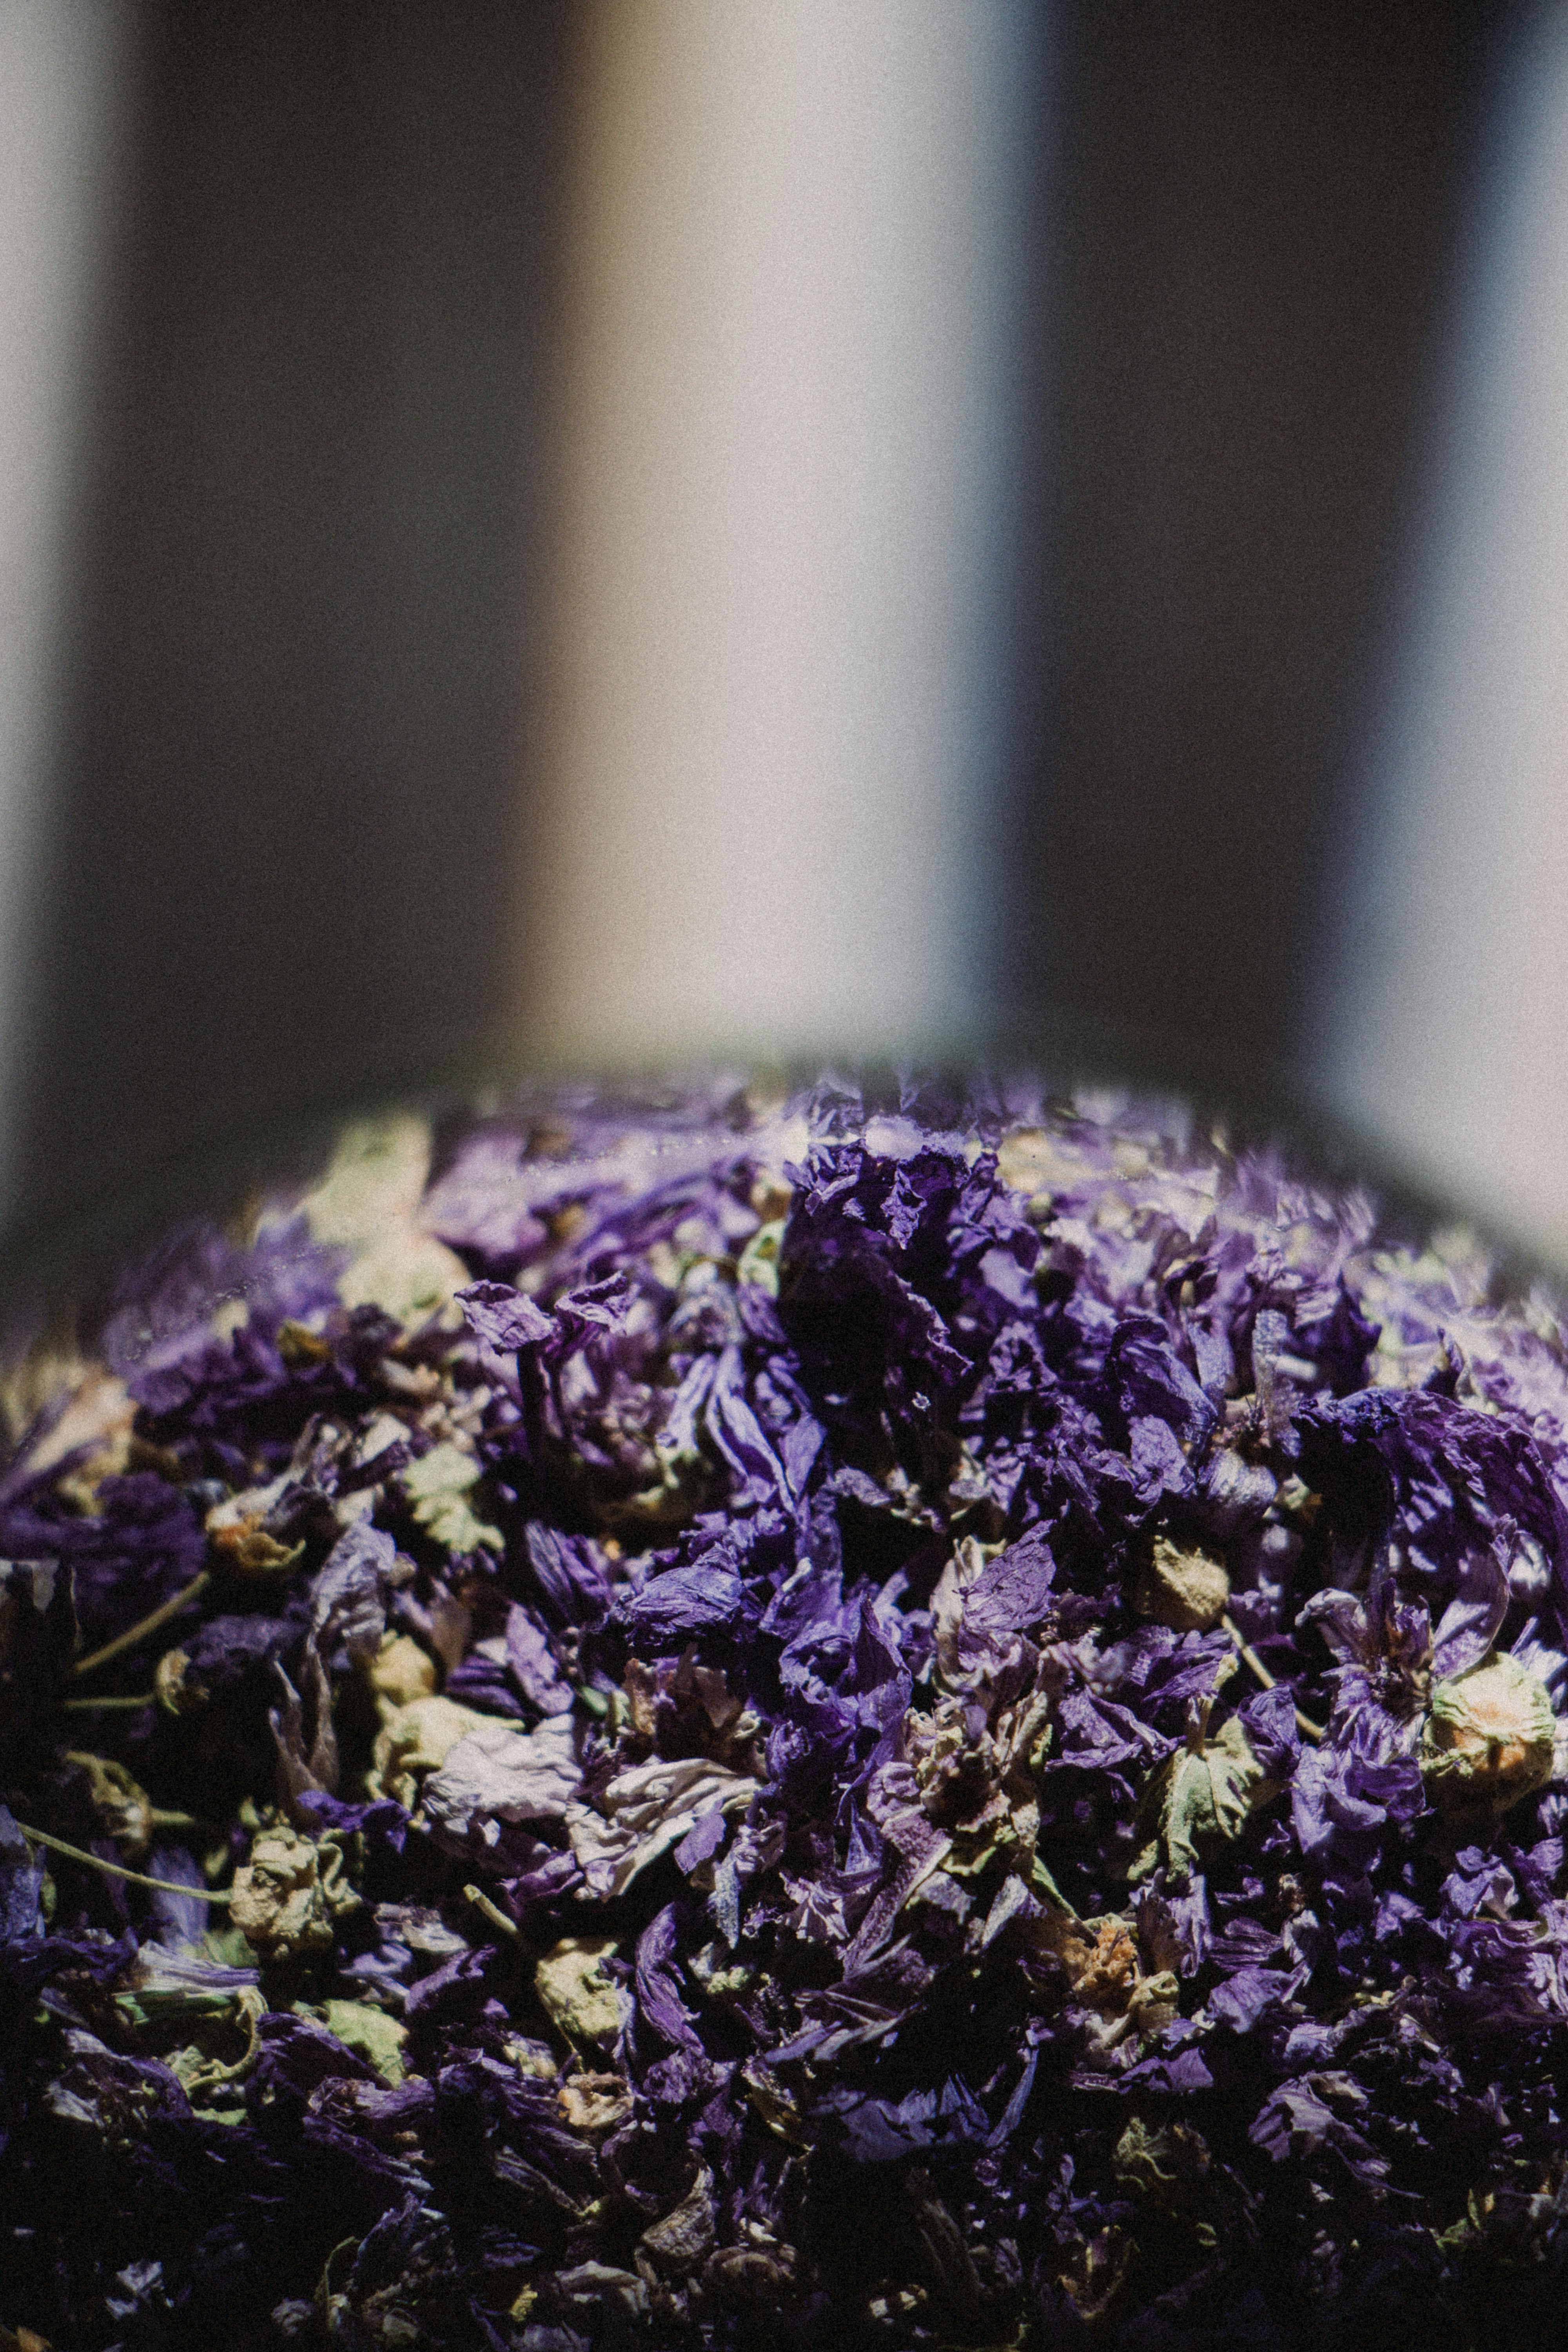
x,y
606,532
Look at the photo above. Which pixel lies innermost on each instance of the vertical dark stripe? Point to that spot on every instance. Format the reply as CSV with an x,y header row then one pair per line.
x,y
289,806
1257,210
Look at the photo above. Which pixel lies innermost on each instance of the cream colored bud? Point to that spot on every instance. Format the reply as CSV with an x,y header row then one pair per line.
x,y
1186,1589
401,1672
415,1740
577,1992
288,1896
1488,1738
595,2103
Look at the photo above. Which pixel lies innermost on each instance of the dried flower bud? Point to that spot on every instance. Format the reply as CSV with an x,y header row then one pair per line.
x,y
240,1536
577,1992
437,1488
1185,1588
370,2034
1154,2002
1488,1738
286,1896
1164,2164
122,1806
401,1672
595,2103
416,1740
682,2241
169,1685
1200,1797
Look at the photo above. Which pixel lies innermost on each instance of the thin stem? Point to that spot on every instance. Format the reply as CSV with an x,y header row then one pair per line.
x,y
137,1698
162,1818
118,1869
193,1591
1304,1723
492,1911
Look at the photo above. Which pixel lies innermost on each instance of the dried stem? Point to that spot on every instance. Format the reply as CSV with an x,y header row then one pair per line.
x,y
171,1608
492,1911
1304,1723
118,1869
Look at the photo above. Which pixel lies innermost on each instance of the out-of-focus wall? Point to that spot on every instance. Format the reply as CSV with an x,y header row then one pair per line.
x,y
787,530
291,722
1445,1030
1251,233
63,68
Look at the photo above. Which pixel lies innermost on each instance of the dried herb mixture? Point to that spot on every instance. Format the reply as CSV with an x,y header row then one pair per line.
x,y
748,1723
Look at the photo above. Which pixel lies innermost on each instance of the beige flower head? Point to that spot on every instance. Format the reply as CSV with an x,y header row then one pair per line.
x,y
1487,1739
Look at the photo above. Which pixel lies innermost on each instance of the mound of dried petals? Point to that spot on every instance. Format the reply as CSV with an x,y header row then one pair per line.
x,y
828,1723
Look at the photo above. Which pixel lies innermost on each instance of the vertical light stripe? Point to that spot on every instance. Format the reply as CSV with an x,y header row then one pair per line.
x,y
782,581
59,63
1445,1023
